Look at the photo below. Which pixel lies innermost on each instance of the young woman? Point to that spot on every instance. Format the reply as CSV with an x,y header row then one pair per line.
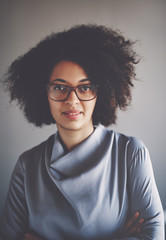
x,y
85,181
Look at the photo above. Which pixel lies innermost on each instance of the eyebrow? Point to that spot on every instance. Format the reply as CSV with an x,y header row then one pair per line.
x,y
64,81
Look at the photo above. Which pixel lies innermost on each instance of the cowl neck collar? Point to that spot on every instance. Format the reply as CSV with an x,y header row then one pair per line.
x,y
81,158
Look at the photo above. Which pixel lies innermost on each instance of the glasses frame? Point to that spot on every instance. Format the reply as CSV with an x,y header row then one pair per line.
x,y
71,89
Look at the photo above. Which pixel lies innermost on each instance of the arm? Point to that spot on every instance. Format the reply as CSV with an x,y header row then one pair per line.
x,y
143,194
14,220
133,226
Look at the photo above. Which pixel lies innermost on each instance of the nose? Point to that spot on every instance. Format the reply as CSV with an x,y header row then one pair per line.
x,y
72,98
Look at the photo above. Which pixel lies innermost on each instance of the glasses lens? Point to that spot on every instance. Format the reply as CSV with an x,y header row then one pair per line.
x,y
58,92
86,92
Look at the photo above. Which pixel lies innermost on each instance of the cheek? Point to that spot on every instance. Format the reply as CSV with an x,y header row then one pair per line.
x,y
91,106
54,108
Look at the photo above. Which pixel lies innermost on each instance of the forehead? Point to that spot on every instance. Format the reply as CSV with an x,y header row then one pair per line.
x,y
68,71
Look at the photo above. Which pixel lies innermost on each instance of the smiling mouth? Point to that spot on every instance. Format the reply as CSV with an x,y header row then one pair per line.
x,y
73,115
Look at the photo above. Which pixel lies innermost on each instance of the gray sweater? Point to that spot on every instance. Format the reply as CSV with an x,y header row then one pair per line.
x,y
87,193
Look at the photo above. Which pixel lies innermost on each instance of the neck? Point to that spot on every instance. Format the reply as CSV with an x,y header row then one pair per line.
x,y
72,138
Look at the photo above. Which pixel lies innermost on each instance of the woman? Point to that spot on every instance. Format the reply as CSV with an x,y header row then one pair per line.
x,y
85,181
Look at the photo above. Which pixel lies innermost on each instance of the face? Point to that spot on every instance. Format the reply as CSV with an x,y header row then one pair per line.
x,y
71,114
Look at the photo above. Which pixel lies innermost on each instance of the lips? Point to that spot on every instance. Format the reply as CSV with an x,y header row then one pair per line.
x,y
73,114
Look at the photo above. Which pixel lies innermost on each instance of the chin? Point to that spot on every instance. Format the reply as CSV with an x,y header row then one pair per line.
x,y
74,125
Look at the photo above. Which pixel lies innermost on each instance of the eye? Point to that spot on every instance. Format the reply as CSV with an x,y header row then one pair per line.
x,y
59,88
84,88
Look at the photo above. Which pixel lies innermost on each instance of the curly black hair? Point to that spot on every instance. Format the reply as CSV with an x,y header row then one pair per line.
x,y
106,56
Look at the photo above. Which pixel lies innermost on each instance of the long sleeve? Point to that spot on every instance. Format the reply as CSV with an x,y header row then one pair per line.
x,y
143,194
14,220
83,194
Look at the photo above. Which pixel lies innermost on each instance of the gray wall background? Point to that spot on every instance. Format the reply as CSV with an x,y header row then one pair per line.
x,y
24,23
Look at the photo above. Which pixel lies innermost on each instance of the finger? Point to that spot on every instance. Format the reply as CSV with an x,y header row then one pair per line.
x,y
29,236
141,220
26,236
138,230
136,227
131,221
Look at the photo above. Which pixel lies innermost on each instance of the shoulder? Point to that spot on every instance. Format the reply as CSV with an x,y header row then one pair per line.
x,y
131,142
129,145
30,162
35,153
133,152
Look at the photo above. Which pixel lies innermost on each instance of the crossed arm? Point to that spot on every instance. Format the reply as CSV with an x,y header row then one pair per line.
x,y
132,227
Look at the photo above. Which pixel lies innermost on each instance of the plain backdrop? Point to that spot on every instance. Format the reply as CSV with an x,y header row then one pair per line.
x,y
24,23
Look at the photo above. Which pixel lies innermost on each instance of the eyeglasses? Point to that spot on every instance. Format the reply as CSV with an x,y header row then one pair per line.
x,y
60,92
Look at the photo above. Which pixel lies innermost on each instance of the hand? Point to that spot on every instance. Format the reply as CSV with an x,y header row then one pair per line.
x,y
29,236
133,226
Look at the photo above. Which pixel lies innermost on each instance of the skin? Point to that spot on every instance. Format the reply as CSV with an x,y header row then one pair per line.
x,y
74,129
